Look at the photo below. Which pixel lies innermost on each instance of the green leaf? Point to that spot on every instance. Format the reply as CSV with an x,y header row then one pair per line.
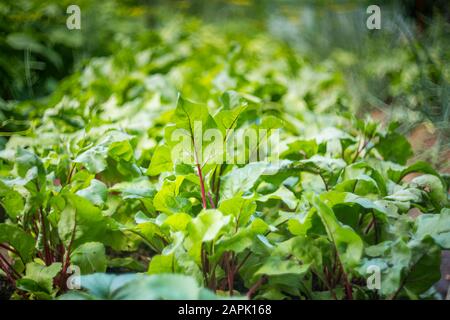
x,y
303,248
283,194
395,147
94,159
90,257
207,225
121,150
357,174
435,225
168,200
41,277
162,264
397,173
138,188
191,121
300,149
241,240
177,221
240,208
95,193
346,241
187,112
406,268
241,180
275,266
140,287
11,200
346,200
18,239
26,160
204,228
433,186
81,221
232,99
424,267
227,119
161,161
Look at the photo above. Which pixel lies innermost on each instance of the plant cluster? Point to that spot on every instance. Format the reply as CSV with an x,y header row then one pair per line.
x,y
92,182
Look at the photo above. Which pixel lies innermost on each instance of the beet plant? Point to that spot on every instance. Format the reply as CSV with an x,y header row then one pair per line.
x,y
203,170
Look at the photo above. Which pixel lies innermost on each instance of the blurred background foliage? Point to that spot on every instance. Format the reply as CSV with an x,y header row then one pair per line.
x,y
400,72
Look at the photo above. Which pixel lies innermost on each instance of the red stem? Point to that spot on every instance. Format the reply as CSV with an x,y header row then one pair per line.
x,y
69,248
14,274
369,226
230,273
256,286
66,260
6,247
347,284
217,186
69,177
211,202
202,185
7,272
47,253
205,266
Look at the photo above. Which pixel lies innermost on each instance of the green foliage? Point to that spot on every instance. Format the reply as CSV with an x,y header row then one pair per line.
x,y
139,287
96,184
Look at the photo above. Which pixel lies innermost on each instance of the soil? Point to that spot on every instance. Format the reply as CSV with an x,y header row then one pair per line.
x,y
443,286
6,289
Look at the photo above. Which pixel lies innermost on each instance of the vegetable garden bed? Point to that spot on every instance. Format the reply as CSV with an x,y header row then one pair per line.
x,y
311,202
